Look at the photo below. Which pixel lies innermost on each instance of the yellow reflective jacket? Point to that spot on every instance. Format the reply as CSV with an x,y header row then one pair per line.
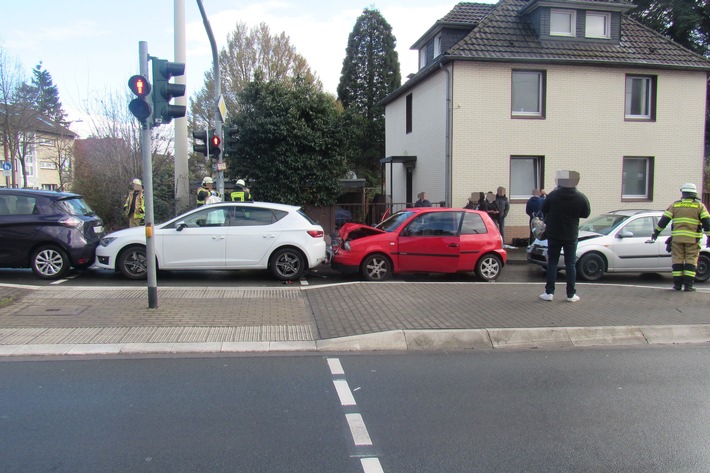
x,y
690,218
139,211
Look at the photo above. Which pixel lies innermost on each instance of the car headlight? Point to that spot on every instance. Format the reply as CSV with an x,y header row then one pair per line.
x,y
105,241
346,245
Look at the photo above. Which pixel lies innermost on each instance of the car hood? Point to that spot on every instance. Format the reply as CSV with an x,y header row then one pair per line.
x,y
583,236
353,231
128,232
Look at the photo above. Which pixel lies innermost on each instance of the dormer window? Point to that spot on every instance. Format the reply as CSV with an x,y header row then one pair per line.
x,y
597,25
437,45
563,23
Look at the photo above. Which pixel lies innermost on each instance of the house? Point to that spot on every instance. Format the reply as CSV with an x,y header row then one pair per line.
x,y
507,94
47,148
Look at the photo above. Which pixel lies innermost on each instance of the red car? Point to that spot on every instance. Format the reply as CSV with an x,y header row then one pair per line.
x,y
424,240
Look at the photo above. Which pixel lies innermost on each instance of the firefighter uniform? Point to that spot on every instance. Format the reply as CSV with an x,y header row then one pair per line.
x,y
690,218
134,206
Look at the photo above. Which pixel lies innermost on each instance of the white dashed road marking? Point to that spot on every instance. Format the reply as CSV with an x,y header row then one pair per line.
x,y
361,438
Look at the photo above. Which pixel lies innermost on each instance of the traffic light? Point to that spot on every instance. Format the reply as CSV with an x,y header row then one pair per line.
x,y
140,107
200,141
164,91
230,141
214,146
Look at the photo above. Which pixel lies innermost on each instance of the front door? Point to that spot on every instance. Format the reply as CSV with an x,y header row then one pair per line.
x,y
430,243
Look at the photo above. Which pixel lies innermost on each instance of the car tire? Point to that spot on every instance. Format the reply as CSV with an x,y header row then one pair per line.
x,y
376,267
132,263
489,267
591,266
50,262
287,264
702,272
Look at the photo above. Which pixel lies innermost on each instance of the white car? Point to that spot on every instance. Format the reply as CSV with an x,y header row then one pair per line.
x,y
229,235
618,242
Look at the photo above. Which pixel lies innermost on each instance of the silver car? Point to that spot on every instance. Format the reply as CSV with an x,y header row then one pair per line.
x,y
616,242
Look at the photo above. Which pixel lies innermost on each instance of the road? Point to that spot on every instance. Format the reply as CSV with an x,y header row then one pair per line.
x,y
622,410
514,272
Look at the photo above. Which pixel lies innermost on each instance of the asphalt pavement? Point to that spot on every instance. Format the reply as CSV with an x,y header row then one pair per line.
x,y
352,316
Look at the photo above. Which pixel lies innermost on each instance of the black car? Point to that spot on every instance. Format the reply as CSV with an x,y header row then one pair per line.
x,y
47,231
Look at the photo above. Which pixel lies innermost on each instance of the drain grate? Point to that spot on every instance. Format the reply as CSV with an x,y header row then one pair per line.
x,y
39,310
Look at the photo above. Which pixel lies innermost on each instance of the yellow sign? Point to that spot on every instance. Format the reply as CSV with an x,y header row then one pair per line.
x,y
222,108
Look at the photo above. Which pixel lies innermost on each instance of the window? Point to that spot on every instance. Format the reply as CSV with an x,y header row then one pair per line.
x,y
640,227
563,23
528,94
437,45
525,175
47,165
409,114
640,97
253,216
637,177
45,142
473,224
597,25
422,58
49,187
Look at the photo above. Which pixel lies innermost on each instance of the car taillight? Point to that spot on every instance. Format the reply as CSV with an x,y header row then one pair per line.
x,y
316,233
71,222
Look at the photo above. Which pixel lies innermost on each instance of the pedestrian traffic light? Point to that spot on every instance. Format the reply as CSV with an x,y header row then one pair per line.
x,y
200,139
214,146
230,141
164,91
140,107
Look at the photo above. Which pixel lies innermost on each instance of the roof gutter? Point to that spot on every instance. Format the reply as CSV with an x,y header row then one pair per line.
x,y
447,139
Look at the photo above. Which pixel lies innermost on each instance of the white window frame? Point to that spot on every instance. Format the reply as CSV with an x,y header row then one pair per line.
x,y
632,84
606,33
437,45
642,171
525,175
47,165
422,58
521,112
572,15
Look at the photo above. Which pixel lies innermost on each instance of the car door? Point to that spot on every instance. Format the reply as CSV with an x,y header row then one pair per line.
x,y
629,248
474,240
253,233
430,243
197,241
18,229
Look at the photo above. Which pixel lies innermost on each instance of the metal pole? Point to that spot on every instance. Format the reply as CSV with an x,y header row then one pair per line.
x,y
146,147
217,93
182,184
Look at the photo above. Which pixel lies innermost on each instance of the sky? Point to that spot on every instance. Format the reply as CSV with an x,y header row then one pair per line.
x,y
90,47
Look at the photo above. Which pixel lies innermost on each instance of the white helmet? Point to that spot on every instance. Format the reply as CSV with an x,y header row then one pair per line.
x,y
240,182
689,187
137,182
207,180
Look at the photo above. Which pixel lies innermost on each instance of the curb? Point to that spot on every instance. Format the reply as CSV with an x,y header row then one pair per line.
x,y
401,340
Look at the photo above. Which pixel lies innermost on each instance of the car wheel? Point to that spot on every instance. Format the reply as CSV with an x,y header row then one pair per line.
x,y
287,264
489,267
50,262
591,267
702,273
132,263
376,268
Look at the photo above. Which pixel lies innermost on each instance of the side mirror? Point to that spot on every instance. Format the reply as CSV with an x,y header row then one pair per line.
x,y
180,225
625,234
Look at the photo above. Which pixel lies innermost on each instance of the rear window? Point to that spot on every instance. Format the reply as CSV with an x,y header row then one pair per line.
x,y
473,224
75,206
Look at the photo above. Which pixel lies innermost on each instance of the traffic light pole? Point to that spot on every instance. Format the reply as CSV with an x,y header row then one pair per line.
x,y
146,146
217,94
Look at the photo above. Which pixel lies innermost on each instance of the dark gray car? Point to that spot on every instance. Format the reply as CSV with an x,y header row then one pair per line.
x,y
48,231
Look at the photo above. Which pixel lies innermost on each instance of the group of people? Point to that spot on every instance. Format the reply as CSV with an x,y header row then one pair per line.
x,y
497,206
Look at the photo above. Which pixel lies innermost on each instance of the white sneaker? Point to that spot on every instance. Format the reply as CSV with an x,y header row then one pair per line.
x,y
574,298
548,297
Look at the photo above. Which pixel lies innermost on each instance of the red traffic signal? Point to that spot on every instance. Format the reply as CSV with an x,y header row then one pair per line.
x,y
139,85
215,141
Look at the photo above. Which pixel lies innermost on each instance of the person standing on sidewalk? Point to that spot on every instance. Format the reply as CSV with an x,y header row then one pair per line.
x,y
688,215
134,206
562,209
532,208
503,209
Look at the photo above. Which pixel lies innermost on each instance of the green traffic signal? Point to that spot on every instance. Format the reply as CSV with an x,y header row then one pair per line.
x,y
164,91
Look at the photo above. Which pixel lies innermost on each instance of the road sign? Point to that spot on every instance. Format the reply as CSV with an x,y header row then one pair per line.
x,y
6,166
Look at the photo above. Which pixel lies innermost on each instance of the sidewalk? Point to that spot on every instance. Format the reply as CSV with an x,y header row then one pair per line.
x,y
353,316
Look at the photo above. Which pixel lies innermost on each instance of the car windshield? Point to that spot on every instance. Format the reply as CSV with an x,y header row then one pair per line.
x,y
603,224
394,221
75,206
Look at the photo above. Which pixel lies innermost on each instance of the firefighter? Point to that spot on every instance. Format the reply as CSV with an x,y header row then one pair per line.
x,y
206,191
690,218
134,207
241,192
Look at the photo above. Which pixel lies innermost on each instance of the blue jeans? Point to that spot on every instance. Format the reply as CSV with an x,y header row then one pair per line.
x,y
553,257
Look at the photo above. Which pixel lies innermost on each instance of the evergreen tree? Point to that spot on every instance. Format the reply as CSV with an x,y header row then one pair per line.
x,y
289,139
370,72
46,95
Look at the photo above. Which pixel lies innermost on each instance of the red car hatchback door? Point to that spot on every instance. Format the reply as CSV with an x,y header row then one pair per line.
x,y
430,243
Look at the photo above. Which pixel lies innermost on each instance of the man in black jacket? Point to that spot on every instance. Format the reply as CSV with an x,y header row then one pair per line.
x,y
563,208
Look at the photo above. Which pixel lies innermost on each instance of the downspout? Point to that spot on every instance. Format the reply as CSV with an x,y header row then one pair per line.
x,y
447,159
